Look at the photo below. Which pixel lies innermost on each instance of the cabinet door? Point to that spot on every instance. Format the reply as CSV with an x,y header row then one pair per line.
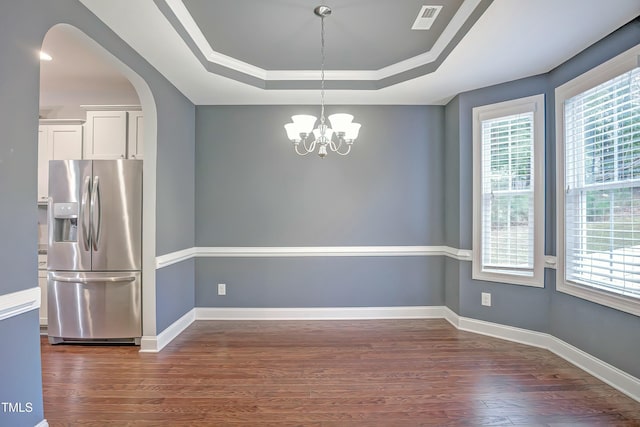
x,y
65,142
135,142
42,283
105,135
43,165
56,142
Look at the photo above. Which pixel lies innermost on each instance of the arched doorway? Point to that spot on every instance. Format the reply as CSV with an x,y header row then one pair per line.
x,y
120,85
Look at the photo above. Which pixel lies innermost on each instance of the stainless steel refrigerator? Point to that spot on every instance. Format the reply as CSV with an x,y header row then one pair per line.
x,y
94,256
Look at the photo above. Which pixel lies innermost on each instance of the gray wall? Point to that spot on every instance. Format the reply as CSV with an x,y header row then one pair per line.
x,y
175,204
253,190
452,174
23,25
175,185
20,369
320,282
452,284
520,306
451,206
175,293
608,334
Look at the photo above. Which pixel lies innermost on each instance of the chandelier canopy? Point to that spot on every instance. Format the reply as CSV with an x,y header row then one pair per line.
x,y
342,133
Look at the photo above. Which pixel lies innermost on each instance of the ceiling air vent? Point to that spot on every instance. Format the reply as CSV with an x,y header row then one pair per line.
x,y
426,17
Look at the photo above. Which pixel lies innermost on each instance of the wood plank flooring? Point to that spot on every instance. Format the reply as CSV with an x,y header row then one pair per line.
x,y
325,373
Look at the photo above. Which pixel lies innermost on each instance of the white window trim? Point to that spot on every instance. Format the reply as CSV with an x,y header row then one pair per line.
x,y
614,67
533,104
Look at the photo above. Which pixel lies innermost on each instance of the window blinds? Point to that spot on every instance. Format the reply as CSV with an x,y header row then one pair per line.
x,y
602,194
507,194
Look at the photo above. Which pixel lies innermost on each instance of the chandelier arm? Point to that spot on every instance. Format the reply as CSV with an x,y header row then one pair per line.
x,y
312,145
346,152
298,151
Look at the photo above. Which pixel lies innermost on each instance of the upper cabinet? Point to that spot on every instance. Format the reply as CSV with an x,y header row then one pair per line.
x,y
109,132
57,140
106,135
113,132
136,131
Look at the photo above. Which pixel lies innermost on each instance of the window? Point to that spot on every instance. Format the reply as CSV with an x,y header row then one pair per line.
x,y
599,174
508,202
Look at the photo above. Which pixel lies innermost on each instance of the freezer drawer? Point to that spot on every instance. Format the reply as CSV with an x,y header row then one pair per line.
x,y
94,306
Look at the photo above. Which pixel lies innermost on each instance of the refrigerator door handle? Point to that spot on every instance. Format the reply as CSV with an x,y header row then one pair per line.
x,y
115,279
85,214
96,209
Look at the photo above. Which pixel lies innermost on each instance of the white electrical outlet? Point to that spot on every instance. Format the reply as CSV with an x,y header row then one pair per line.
x,y
222,289
486,299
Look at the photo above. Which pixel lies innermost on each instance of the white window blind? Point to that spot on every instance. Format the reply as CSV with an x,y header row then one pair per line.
x,y
602,186
507,193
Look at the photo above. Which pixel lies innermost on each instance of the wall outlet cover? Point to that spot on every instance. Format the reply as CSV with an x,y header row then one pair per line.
x,y
486,299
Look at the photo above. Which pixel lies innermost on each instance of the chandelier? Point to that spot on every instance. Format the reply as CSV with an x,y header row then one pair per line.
x,y
342,133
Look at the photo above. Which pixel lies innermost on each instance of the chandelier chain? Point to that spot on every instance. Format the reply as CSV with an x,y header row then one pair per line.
x,y
322,71
343,131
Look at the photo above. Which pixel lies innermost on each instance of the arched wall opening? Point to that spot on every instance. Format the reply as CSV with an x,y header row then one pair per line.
x,y
148,105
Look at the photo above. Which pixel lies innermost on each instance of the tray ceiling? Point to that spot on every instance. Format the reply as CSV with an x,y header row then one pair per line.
x,y
276,45
286,36
268,51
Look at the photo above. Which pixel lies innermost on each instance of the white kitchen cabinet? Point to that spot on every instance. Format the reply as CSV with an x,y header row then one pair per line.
x,y
113,132
42,284
106,135
57,140
43,165
135,140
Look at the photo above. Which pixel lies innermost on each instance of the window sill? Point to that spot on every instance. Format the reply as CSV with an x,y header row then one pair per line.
x,y
509,278
618,302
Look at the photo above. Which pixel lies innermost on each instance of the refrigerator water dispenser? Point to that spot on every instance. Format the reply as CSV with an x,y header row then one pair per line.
x,y
65,224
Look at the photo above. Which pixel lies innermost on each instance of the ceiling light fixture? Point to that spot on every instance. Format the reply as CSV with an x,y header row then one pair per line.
x,y
44,56
343,129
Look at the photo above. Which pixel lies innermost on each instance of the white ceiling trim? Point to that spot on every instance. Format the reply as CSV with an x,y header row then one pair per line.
x,y
506,43
456,23
182,14
180,11
304,75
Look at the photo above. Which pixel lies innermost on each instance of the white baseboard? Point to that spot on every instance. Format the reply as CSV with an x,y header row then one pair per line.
x,y
509,333
609,374
151,344
320,313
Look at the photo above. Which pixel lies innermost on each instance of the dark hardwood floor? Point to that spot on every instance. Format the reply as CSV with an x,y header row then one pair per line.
x,y
325,373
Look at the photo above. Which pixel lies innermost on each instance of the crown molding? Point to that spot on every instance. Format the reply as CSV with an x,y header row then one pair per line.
x,y
397,71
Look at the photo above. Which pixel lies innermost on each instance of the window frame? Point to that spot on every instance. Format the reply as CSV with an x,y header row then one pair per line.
x,y
605,72
532,104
